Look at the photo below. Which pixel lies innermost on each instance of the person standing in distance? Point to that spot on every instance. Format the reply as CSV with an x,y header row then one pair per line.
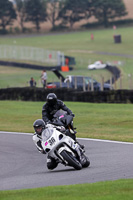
x,y
44,78
32,82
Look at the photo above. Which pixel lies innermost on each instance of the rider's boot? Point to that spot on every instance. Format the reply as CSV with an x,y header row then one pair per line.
x,y
72,129
83,159
51,163
73,132
81,155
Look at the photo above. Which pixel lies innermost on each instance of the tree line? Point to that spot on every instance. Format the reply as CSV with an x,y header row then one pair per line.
x,y
65,12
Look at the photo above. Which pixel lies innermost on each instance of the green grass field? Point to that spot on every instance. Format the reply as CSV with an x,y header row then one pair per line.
x,y
79,45
103,121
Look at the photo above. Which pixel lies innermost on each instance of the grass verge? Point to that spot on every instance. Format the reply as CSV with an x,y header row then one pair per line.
x,y
109,190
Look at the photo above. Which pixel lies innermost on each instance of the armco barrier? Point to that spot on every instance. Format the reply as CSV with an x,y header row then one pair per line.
x,y
39,94
115,73
30,66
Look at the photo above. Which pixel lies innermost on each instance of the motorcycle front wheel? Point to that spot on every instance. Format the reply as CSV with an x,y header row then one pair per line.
x,y
72,161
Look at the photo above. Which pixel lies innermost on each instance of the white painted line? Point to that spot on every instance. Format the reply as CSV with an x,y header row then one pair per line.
x,y
16,133
89,139
109,141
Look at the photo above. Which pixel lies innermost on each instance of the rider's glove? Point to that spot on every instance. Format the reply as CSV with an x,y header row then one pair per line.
x,y
43,152
62,129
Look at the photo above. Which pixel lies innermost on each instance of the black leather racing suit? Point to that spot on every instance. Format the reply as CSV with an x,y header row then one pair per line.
x,y
48,111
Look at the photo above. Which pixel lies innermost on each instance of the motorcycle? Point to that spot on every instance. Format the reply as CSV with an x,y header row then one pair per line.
x,y
61,118
62,147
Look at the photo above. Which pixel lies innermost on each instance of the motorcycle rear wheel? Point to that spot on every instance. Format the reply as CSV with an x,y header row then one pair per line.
x,y
72,161
87,163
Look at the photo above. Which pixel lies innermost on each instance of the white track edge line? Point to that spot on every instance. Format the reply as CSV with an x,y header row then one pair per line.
x,y
109,141
89,139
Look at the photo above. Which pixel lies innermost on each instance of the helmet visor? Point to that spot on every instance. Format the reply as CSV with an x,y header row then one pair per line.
x,y
52,102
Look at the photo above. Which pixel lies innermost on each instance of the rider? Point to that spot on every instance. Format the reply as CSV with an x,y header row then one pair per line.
x,y
39,125
51,106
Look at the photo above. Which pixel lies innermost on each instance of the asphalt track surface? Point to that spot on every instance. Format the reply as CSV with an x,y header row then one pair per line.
x,y
22,166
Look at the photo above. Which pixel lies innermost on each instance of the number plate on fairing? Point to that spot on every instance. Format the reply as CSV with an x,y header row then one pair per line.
x,y
51,141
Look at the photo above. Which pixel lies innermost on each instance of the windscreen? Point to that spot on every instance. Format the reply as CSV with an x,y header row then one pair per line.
x,y
59,113
46,134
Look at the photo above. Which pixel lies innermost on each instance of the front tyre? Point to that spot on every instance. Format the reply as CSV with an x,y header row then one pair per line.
x,y
72,161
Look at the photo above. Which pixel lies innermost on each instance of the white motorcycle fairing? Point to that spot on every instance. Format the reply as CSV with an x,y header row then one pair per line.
x,y
55,143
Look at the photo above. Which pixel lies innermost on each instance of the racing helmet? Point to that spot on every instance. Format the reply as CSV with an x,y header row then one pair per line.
x,y
39,125
51,99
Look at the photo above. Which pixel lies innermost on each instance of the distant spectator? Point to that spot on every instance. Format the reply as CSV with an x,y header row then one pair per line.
x,y
44,78
92,36
32,82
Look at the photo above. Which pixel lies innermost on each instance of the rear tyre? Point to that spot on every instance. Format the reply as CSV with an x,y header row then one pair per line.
x,y
72,161
87,163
